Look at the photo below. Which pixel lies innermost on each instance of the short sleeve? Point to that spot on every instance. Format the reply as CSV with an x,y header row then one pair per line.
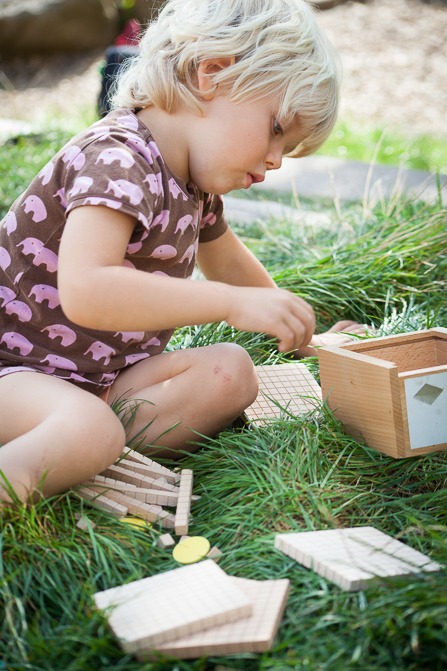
x,y
213,223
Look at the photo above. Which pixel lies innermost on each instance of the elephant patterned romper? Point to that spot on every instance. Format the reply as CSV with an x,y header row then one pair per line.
x,y
117,164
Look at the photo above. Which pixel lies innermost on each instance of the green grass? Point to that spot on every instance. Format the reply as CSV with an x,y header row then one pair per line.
x,y
357,141
387,267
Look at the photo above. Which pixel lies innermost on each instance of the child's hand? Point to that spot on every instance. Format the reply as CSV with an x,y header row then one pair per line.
x,y
275,312
341,333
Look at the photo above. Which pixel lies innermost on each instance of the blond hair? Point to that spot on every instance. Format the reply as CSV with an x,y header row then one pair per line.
x,y
277,48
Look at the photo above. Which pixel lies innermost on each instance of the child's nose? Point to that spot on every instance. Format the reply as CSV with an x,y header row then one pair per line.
x,y
273,160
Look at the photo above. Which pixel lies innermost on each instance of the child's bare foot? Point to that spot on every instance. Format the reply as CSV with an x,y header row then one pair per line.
x,y
340,333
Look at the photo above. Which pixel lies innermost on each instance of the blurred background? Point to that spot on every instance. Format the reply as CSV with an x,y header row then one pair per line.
x,y
394,55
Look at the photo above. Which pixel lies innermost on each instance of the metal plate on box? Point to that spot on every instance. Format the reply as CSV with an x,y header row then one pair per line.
x,y
426,398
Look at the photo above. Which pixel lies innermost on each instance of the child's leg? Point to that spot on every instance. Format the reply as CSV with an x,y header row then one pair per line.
x,y
196,390
53,434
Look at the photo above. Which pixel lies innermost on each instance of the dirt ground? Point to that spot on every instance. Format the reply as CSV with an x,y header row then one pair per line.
x,y
394,55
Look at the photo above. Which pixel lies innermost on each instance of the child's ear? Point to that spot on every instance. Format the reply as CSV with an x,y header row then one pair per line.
x,y
205,71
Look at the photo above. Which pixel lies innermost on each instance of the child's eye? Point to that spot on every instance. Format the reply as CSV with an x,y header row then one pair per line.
x,y
277,128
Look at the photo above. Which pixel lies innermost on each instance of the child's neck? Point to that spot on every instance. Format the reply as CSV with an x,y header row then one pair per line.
x,y
168,131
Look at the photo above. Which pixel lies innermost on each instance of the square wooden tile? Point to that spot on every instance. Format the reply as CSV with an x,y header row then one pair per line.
x,y
284,390
180,602
353,557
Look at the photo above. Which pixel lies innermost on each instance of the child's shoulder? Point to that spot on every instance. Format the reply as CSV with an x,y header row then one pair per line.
x,y
119,129
118,140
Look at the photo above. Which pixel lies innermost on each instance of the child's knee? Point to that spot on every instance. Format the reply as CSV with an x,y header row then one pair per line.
x,y
103,430
236,374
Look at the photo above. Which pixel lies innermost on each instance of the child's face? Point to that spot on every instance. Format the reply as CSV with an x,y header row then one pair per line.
x,y
233,144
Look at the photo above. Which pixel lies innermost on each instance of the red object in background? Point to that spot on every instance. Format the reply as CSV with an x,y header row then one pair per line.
x,y
130,35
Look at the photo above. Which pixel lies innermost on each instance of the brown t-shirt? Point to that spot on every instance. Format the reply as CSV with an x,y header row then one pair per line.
x,y
117,164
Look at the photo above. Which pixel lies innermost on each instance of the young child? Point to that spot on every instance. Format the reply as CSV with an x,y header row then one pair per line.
x,y
96,256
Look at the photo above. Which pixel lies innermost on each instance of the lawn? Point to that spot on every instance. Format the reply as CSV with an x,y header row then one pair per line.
x,y
386,268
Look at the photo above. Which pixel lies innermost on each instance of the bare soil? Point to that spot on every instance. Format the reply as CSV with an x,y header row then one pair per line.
x,y
394,55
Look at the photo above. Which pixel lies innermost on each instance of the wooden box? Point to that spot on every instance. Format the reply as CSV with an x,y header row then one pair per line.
x,y
390,392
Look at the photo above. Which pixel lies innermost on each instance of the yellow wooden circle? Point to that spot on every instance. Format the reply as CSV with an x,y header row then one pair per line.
x,y
136,522
191,549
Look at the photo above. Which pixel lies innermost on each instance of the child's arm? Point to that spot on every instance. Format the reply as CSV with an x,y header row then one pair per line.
x,y
97,291
228,260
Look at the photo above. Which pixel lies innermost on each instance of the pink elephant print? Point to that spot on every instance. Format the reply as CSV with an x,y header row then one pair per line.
x,y
100,350
175,189
5,259
80,185
41,255
209,220
135,247
189,254
45,292
10,222
184,222
78,162
123,156
122,187
128,264
152,342
99,133
128,121
66,334
6,295
161,220
154,183
143,219
21,310
129,336
14,341
154,149
46,173
48,259
133,358
74,157
95,200
30,246
60,193
109,377
56,361
35,205
164,252
136,144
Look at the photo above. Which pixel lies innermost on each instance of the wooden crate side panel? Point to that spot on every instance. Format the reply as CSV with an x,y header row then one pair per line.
x,y
408,356
441,352
391,341
364,396
411,351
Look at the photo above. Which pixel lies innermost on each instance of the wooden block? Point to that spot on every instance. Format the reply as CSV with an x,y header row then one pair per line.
x,y
390,392
140,509
84,523
284,390
214,553
184,502
158,469
163,607
165,541
353,557
142,469
255,633
147,495
124,475
103,502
